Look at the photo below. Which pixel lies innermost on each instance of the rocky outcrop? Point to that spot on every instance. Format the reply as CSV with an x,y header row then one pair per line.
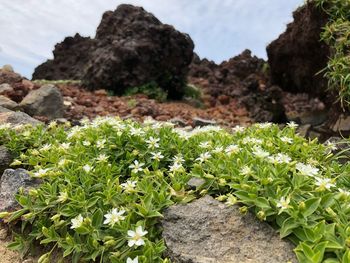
x,y
69,62
207,231
16,118
131,48
298,55
46,101
243,78
10,183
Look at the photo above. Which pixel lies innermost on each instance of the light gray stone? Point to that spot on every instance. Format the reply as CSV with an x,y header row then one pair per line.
x,y
303,130
202,122
10,183
7,103
195,182
16,118
5,87
207,231
46,101
342,124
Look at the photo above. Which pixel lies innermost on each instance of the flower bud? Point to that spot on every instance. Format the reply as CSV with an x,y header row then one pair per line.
x,y
221,198
301,206
243,210
261,215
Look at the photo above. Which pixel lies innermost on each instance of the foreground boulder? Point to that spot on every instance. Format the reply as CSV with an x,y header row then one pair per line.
x,y
10,183
131,48
298,55
16,118
207,231
46,101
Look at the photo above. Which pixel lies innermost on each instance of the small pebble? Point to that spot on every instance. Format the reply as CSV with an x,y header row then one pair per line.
x,y
3,234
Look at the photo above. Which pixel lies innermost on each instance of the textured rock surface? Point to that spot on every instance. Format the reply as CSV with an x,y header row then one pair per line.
x,y
15,118
207,231
10,182
46,101
131,48
8,103
5,159
70,58
298,55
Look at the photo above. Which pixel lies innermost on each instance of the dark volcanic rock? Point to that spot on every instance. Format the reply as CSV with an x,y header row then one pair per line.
x,y
298,55
131,48
70,59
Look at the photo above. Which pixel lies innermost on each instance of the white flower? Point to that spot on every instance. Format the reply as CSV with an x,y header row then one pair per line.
x,y
129,186
52,124
136,131
100,144
157,156
218,149
86,143
176,167
324,183
178,159
135,237
238,128
136,166
331,146
63,196
135,260
252,140
45,147
65,145
77,222
246,170
286,139
344,192
62,162
264,125
41,173
231,149
283,158
203,157
87,168
306,169
259,152
205,145
283,203
292,125
102,158
114,216
152,142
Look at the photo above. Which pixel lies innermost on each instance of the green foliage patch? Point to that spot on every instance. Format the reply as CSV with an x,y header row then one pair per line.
x,y
337,35
151,89
106,184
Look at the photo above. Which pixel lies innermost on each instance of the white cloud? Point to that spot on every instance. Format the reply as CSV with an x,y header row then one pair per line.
x,y
220,28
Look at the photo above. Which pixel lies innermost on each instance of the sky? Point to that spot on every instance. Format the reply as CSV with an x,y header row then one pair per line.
x,y
220,29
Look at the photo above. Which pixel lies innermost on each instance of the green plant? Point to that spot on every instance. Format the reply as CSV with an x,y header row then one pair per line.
x,y
106,183
193,92
337,35
151,89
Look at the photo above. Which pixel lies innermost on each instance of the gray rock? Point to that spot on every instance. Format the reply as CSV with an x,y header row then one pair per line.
x,y
2,109
342,124
10,183
202,122
15,118
46,101
5,159
207,231
178,121
5,87
303,130
7,103
195,182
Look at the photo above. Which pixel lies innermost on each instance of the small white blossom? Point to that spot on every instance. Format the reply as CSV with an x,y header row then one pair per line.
x,y
152,142
45,147
324,183
283,203
178,159
136,131
77,222
41,173
306,169
331,146
65,145
205,145
260,153
203,157
232,149
344,192
102,158
62,162
292,125
248,140
264,125
63,196
286,139
246,170
238,128
135,237
135,260
157,156
114,216
86,143
87,168
100,144
129,186
176,167
218,149
136,166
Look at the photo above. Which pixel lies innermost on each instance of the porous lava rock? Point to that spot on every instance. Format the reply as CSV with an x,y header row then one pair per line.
x,y
298,55
69,62
131,48
242,77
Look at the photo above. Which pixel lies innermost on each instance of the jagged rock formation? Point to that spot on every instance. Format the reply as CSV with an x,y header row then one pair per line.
x,y
242,77
131,48
298,55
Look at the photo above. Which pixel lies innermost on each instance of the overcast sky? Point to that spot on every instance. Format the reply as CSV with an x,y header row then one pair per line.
x,y
220,29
